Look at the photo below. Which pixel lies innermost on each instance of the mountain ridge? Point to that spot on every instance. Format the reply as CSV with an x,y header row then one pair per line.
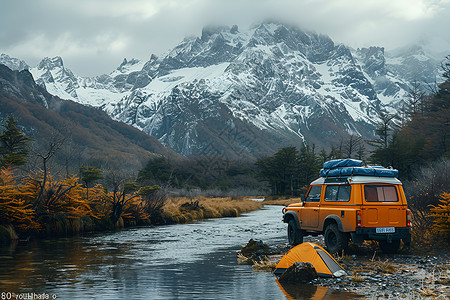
x,y
285,85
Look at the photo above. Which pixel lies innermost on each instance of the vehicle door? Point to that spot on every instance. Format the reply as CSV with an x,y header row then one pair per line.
x,y
310,212
383,207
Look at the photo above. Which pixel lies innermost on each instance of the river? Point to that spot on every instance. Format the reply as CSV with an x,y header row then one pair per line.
x,y
186,261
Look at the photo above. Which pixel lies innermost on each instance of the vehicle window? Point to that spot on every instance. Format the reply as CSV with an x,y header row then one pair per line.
x,y
380,193
314,194
337,193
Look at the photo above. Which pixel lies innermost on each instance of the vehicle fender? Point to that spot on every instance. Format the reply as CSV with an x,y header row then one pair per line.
x,y
291,214
333,219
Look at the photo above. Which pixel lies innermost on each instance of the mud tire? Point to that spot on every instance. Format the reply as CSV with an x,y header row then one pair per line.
x,y
389,247
295,235
335,240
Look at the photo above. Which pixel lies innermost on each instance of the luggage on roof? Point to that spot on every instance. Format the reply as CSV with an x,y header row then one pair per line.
x,y
350,167
341,163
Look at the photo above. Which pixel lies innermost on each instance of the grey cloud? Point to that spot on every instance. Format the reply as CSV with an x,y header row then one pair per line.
x,y
93,41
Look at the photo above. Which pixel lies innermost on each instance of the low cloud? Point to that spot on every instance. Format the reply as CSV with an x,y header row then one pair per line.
x,y
93,36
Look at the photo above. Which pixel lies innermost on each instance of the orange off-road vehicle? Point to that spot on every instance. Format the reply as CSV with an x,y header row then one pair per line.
x,y
350,201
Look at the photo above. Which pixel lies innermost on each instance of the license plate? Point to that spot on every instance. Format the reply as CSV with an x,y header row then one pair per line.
x,y
385,230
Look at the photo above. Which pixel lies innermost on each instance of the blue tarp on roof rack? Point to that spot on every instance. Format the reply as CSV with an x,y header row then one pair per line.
x,y
340,163
361,171
349,167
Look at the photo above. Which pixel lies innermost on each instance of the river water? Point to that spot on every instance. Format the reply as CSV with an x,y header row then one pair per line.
x,y
187,261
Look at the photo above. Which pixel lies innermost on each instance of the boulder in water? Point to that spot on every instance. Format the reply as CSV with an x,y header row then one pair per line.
x,y
299,272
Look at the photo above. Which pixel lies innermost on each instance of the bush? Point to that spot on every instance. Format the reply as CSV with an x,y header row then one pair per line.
x,y
423,194
441,214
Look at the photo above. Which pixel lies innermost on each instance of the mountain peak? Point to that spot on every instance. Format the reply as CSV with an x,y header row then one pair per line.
x,y
210,30
21,84
126,64
13,63
51,63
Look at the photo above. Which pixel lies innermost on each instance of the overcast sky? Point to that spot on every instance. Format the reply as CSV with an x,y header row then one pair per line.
x,y
93,36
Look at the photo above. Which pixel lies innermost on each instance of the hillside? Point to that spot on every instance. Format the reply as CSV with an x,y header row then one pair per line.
x,y
90,136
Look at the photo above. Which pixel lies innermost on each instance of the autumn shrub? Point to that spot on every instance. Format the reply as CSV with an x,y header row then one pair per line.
x,y
100,202
423,194
60,204
441,215
153,199
15,205
135,212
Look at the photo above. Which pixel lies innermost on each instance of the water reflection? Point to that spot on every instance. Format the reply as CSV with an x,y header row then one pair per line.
x,y
308,291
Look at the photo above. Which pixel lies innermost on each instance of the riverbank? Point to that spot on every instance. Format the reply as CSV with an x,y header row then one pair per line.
x,y
409,274
281,200
185,209
178,210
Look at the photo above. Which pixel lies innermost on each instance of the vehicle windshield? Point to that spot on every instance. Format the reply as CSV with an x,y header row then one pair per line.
x,y
314,194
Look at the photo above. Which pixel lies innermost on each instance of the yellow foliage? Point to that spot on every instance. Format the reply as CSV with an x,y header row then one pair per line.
x,y
134,211
14,207
63,197
29,204
441,213
41,199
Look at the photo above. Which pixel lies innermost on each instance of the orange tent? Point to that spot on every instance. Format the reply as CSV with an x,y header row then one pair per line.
x,y
322,261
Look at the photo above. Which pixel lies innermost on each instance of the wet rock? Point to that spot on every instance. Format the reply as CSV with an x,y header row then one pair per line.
x,y
255,250
299,272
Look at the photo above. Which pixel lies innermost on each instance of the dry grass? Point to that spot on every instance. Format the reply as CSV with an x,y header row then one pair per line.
x,y
345,259
243,260
356,277
385,267
185,209
281,201
427,292
265,265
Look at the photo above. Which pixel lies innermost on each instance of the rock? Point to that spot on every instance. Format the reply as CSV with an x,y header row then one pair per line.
x,y
299,272
255,250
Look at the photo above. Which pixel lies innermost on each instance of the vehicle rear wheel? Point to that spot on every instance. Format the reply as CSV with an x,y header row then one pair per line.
x,y
391,247
295,235
335,240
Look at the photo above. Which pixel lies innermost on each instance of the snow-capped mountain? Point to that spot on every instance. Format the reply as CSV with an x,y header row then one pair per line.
x,y
249,93
13,63
98,91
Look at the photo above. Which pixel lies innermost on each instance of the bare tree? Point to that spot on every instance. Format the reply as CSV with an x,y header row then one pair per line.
x,y
54,145
383,130
360,153
123,189
352,144
414,98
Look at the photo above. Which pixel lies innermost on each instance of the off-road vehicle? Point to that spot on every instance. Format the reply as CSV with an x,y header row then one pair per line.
x,y
350,201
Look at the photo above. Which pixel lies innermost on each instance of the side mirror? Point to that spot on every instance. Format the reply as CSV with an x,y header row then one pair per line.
x,y
302,197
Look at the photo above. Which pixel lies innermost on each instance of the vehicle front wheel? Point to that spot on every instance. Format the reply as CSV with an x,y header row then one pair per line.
x,y
295,235
335,240
391,247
